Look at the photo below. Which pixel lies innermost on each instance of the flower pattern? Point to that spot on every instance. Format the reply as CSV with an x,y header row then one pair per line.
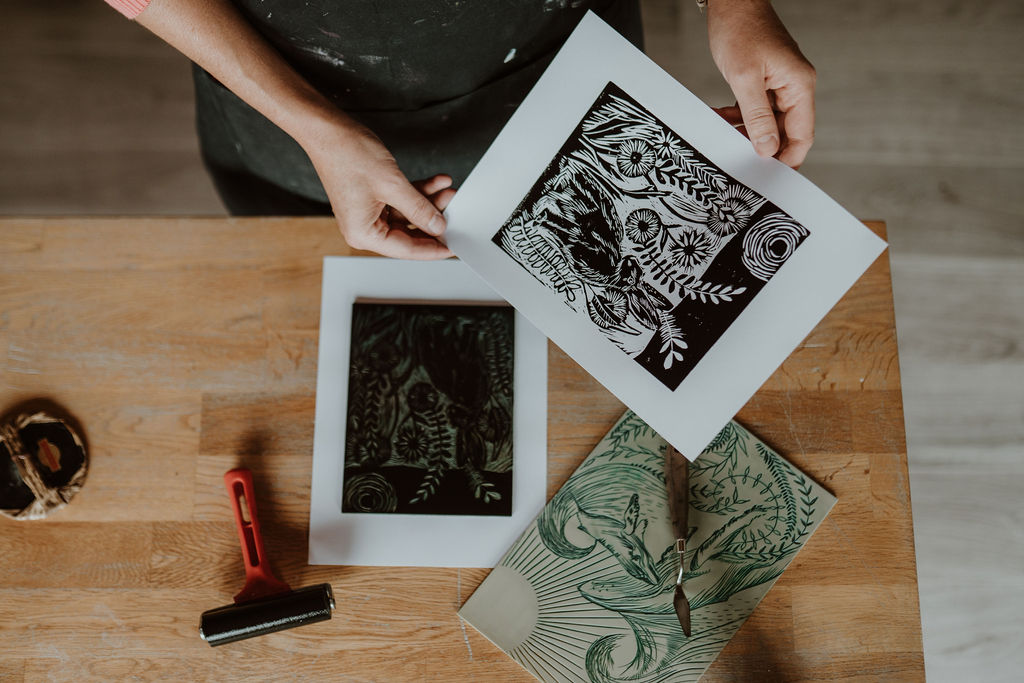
x,y
636,230
666,144
690,249
732,213
429,408
422,397
643,225
412,444
635,158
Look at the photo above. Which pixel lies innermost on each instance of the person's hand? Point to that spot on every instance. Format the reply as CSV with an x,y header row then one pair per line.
x,y
376,207
772,81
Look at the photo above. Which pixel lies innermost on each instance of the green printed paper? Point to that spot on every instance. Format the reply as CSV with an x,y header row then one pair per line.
x,y
585,594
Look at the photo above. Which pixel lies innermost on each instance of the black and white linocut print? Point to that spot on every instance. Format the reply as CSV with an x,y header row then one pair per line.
x,y
429,425
636,230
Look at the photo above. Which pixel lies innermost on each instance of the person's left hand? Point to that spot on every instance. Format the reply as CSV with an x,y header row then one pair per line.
x,y
773,82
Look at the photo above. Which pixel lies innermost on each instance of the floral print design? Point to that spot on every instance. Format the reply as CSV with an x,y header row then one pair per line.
x,y
632,227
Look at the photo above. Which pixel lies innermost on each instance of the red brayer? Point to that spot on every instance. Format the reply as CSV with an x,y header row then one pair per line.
x,y
266,604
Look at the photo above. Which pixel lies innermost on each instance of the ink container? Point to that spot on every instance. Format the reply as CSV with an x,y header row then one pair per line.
x,y
43,462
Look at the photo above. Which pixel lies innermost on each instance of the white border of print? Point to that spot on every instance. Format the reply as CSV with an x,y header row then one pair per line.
x,y
402,539
838,250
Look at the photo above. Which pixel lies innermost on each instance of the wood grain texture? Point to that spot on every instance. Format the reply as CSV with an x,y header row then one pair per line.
x,y
941,212
188,347
95,113
975,606
95,118
965,317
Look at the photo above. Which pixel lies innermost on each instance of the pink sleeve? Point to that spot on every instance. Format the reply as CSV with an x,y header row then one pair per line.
x,y
129,8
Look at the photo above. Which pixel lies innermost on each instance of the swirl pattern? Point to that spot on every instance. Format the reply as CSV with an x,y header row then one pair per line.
x,y
642,236
369,493
770,243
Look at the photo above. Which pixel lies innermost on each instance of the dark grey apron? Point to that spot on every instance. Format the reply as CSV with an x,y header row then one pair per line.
x,y
435,80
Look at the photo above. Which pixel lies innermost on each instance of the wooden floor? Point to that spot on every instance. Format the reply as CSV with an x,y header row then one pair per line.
x,y
919,124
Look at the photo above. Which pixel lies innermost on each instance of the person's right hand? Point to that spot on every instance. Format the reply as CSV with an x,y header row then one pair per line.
x,y
377,208
772,80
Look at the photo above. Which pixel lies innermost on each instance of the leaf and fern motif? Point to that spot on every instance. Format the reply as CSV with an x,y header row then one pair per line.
x,y
602,561
629,222
430,407
433,423
498,354
607,308
671,338
431,482
768,521
542,254
707,292
700,180
631,428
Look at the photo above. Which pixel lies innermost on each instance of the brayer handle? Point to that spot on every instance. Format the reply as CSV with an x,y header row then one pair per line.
x,y
259,581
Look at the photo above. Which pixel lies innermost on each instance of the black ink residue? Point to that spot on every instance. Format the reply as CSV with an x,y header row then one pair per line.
x,y
430,410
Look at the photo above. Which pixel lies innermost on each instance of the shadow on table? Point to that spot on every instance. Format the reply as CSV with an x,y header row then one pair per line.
x,y
761,651
285,538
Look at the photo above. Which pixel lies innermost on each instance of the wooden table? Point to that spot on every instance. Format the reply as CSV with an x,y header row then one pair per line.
x,y
187,347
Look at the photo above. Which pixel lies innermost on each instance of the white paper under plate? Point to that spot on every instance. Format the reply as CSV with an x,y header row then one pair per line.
x,y
585,594
390,538
643,235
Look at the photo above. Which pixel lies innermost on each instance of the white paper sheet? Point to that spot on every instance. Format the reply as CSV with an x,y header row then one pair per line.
x,y
406,539
832,248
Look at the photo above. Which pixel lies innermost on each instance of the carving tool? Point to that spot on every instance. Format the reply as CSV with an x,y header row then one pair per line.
x,y
266,604
677,481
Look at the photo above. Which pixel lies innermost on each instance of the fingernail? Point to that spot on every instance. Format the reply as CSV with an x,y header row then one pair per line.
x,y
767,143
436,225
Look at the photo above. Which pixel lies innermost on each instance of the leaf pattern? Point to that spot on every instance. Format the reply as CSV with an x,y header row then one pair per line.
x,y
707,292
543,256
600,561
646,238
672,342
429,424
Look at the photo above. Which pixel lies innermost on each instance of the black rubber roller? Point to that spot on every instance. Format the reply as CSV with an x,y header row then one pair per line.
x,y
265,604
266,615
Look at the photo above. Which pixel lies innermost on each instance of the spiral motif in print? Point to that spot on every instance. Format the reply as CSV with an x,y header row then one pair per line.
x,y
369,493
769,243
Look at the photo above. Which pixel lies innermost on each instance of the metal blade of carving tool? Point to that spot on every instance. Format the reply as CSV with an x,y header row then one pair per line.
x,y
677,482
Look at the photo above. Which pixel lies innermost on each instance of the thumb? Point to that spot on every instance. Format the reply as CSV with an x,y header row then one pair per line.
x,y
416,208
758,116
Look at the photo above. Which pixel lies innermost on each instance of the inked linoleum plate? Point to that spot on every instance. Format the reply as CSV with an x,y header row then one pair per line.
x,y
586,592
430,443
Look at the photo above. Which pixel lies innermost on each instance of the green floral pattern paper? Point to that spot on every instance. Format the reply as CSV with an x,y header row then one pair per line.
x,y
585,594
